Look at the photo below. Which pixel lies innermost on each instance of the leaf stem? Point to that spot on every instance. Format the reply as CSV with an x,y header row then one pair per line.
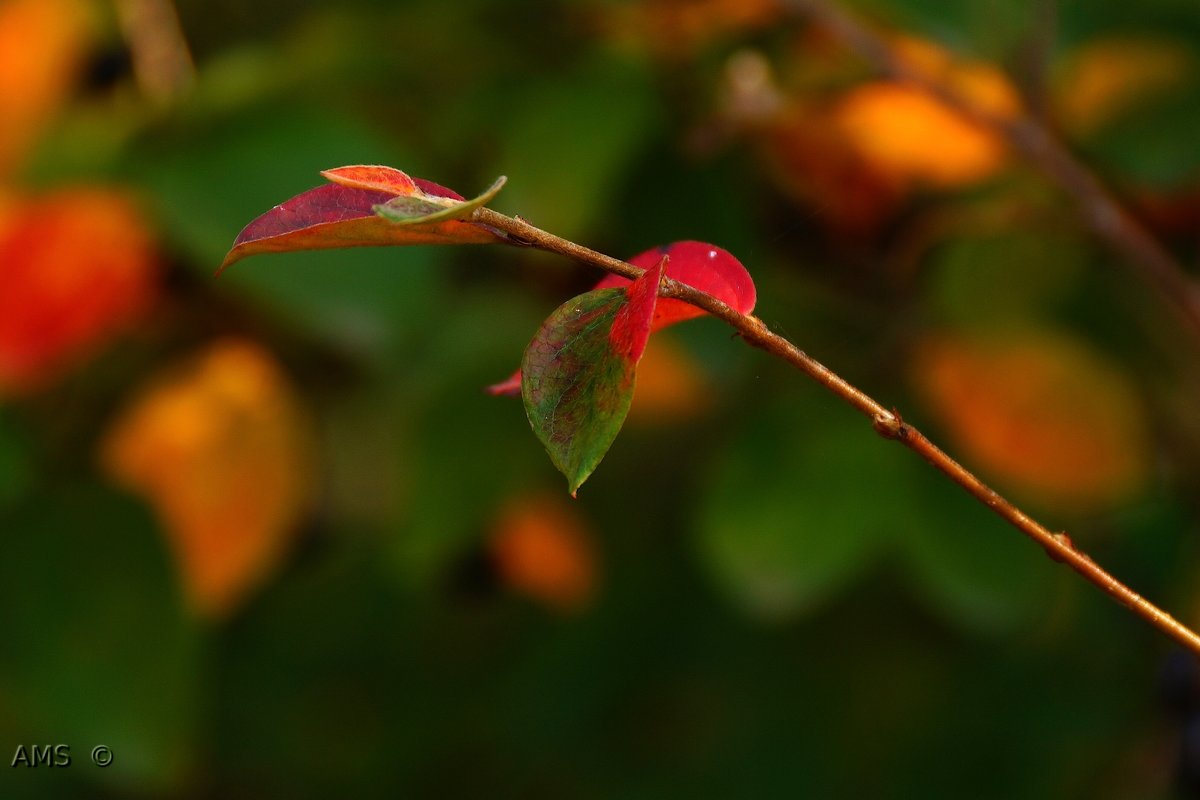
x,y
886,423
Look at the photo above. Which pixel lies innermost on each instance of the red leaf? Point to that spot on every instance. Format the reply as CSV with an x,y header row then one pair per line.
x,y
436,189
631,328
702,266
383,179
365,206
78,267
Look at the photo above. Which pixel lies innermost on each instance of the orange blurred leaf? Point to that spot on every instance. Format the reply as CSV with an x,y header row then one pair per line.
x,y
1042,412
42,44
77,266
671,385
813,161
542,548
221,448
915,138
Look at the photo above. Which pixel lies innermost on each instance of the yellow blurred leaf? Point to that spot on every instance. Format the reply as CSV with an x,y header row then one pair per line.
x,y
542,548
1042,412
221,448
42,44
77,266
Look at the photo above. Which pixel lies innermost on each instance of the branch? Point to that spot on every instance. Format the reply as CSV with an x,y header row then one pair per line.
x,y
1102,212
887,423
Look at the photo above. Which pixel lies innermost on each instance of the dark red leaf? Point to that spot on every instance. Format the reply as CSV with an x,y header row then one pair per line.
x,y
436,189
365,206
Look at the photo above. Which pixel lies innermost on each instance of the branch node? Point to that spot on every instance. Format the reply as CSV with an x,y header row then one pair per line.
x,y
890,425
1062,538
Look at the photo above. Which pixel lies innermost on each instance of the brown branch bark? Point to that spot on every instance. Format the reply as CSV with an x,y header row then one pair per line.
x,y
887,423
1028,136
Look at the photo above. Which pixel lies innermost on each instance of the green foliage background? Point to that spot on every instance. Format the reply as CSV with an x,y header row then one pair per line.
x,y
788,606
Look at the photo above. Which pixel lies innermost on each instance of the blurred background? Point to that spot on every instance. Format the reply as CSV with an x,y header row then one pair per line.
x,y
266,536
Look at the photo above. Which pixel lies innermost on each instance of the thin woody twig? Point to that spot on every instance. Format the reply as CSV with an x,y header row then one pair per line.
x,y
1102,212
886,422
162,63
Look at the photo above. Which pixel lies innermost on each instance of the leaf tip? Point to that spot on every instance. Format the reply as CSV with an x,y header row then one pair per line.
x,y
490,193
510,386
231,258
573,485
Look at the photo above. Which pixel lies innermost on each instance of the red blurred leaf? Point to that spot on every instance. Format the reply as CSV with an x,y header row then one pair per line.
x,y
578,372
366,206
702,266
73,280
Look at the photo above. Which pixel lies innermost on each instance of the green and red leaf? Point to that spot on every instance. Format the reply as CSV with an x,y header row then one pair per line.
x,y
578,372
366,206
702,266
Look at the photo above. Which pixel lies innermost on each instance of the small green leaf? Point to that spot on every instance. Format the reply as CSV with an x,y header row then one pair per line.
x,y
430,208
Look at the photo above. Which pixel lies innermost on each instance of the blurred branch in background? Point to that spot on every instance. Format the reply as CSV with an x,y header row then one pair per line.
x,y
1102,211
1036,56
162,62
